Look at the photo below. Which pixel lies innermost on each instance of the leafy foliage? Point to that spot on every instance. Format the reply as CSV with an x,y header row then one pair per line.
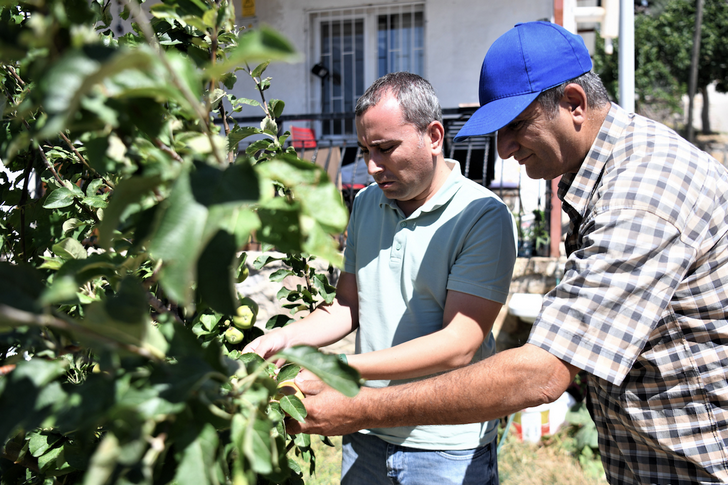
x,y
663,49
126,205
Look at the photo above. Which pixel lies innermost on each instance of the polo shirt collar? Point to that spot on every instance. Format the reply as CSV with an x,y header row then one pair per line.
x,y
575,190
448,190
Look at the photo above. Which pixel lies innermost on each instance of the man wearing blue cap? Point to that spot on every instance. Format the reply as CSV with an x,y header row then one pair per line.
x,y
643,303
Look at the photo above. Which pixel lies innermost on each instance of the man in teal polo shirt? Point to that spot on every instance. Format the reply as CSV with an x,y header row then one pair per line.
x,y
428,265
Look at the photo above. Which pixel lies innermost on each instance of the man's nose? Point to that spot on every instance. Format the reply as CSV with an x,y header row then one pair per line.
x,y
373,165
506,144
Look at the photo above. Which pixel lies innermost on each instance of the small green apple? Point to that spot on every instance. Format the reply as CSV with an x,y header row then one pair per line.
x,y
246,313
243,274
233,335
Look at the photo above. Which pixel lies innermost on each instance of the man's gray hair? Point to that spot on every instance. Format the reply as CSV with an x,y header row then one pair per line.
x,y
596,93
415,95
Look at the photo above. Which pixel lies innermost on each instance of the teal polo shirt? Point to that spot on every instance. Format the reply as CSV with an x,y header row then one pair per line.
x,y
462,239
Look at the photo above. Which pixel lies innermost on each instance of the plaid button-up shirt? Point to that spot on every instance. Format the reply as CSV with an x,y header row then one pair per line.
x,y
643,305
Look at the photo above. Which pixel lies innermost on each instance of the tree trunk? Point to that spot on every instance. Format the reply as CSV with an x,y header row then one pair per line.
x,y
705,112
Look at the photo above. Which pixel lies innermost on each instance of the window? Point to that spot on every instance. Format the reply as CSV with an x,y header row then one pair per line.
x,y
400,43
342,53
356,46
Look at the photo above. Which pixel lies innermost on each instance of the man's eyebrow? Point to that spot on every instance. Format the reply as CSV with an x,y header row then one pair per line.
x,y
383,141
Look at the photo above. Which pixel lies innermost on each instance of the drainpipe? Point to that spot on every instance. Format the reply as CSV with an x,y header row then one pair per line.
x,y
626,55
555,216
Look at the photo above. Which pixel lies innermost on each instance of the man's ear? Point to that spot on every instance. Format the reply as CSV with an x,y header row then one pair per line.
x,y
575,102
436,133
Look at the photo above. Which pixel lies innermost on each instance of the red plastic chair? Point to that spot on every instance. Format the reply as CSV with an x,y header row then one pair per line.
x,y
302,137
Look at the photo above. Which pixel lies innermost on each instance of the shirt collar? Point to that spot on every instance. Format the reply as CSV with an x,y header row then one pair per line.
x,y
448,190
575,190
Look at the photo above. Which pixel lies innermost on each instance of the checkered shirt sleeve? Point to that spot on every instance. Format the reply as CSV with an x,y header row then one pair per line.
x,y
642,306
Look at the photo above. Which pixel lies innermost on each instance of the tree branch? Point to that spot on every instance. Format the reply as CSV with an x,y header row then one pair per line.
x,y
144,26
15,316
83,160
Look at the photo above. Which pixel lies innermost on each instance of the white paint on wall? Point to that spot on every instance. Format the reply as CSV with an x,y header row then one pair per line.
x,y
458,33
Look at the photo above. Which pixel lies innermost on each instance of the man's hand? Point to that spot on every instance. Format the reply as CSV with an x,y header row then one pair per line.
x,y
330,413
268,345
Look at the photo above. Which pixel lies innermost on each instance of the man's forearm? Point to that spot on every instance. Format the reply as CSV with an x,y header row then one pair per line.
x,y
498,386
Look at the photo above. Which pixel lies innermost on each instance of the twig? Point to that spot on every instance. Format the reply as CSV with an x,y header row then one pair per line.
x,y
83,160
15,74
223,114
21,317
260,90
144,26
43,157
160,144
157,304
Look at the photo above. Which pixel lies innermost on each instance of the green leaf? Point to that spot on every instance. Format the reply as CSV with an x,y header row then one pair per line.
x,y
280,274
127,192
59,198
320,242
20,287
95,202
216,273
94,266
21,403
293,407
124,72
239,133
41,441
258,145
323,203
103,462
291,171
71,224
62,290
328,368
196,458
276,106
123,318
263,260
261,44
303,440
277,321
326,290
288,372
280,225
237,184
257,444
178,240
130,303
70,248
260,68
46,461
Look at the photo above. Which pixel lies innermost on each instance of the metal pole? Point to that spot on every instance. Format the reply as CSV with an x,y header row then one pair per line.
x,y
694,68
626,55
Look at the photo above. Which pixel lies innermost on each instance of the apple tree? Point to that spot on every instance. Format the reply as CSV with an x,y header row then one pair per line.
x,y
126,209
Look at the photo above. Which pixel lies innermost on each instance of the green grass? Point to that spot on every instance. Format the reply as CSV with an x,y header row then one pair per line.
x,y
328,462
555,461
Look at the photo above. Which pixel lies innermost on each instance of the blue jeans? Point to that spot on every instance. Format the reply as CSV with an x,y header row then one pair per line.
x,y
368,460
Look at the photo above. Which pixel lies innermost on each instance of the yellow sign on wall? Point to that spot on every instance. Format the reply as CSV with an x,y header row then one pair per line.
x,y
248,8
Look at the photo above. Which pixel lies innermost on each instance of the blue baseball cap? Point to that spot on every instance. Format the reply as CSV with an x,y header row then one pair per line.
x,y
522,63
